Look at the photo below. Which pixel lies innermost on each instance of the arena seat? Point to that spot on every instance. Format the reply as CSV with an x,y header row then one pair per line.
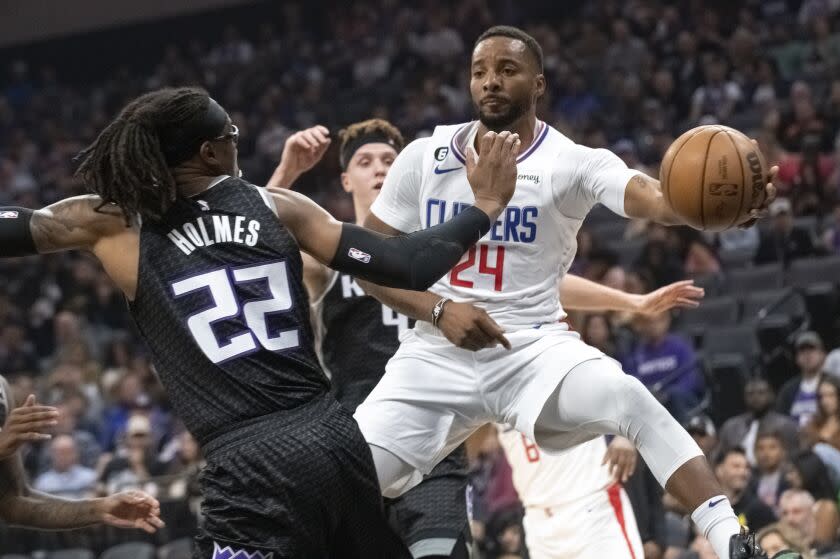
x,y
130,550
808,271
732,340
736,258
786,301
722,311
178,549
70,554
746,280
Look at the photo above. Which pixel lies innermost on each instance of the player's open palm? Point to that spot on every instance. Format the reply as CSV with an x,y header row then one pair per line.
x,y
470,327
680,294
131,509
492,176
29,422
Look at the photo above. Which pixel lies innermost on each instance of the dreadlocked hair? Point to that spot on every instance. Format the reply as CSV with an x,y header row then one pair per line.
x,y
372,126
126,166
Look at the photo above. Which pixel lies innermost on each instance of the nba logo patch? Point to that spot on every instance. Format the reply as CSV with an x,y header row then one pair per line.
x,y
441,153
8,215
359,255
228,552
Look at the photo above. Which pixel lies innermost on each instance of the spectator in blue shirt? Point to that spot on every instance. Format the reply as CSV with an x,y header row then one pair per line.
x,y
666,364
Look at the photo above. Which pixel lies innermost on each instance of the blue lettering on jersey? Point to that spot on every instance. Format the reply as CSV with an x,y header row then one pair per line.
x,y
515,225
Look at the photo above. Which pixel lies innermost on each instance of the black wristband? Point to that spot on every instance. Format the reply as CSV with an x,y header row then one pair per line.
x,y
15,235
412,261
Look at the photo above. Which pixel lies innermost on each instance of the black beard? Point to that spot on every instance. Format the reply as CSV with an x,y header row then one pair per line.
x,y
502,121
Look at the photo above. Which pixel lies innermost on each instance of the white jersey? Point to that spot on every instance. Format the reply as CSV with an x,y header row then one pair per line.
x,y
514,270
553,480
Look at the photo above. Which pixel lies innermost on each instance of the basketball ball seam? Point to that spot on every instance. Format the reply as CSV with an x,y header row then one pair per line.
x,y
743,179
703,180
667,191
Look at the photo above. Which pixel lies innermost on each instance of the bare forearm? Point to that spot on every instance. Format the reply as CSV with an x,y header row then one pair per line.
x,y
413,304
643,198
282,178
47,512
577,293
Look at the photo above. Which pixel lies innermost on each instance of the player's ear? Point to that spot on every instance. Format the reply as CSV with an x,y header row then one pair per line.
x,y
345,183
209,156
539,84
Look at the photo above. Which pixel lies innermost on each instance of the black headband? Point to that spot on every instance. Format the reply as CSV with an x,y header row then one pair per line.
x,y
351,147
182,142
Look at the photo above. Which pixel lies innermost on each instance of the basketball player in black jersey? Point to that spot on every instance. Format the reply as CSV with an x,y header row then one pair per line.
x,y
357,335
211,267
23,506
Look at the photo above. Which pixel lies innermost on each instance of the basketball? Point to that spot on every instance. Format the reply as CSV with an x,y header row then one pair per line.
x,y
712,176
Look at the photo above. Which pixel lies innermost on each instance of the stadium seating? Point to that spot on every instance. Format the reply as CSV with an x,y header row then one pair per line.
x,y
70,554
130,550
808,271
746,280
178,549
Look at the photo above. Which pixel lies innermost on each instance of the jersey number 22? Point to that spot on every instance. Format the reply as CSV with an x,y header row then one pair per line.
x,y
226,305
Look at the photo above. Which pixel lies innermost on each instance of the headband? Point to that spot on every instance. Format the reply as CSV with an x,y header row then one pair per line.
x,y
182,142
351,147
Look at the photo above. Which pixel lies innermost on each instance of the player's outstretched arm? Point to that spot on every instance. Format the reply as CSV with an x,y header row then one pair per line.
x,y
577,293
643,198
21,505
412,261
72,223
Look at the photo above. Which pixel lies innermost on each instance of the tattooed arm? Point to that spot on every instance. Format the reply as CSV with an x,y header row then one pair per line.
x,y
74,223
22,505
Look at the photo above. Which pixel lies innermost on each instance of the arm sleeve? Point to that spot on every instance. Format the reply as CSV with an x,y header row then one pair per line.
x,y
398,202
583,177
414,261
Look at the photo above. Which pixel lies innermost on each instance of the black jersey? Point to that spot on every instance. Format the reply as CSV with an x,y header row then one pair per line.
x,y
221,303
357,336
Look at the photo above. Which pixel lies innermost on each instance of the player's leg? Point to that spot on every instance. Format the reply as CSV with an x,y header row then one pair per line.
x,y
597,397
432,518
423,408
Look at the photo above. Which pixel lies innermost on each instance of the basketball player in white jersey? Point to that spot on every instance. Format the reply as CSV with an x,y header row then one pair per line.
x,y
356,340
575,508
544,381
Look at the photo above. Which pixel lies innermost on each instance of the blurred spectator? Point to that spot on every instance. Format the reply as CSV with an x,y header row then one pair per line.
x,y
798,510
87,448
136,460
824,426
780,536
809,475
831,235
16,354
505,538
832,363
760,417
784,241
645,496
702,430
808,176
597,332
733,473
663,264
128,395
798,396
186,464
718,96
665,363
701,259
491,481
66,478
771,460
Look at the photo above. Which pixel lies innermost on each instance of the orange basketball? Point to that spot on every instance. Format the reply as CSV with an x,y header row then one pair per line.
x,y
712,176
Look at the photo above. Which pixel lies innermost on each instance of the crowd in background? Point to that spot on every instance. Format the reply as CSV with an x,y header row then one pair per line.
x,y
629,76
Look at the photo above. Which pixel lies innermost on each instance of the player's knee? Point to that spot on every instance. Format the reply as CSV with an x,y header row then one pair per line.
x,y
630,397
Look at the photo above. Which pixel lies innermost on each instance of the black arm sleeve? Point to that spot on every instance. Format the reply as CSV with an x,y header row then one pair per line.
x,y
15,236
414,261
